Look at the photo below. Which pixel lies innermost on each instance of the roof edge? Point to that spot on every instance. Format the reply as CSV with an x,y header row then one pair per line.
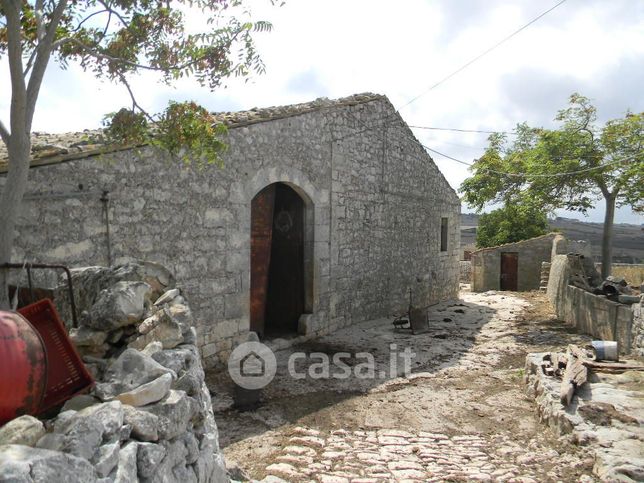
x,y
552,233
232,120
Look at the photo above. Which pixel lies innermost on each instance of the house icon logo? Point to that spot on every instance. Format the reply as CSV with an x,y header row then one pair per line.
x,y
252,365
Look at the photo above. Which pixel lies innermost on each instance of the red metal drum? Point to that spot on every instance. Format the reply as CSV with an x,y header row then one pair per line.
x,y
23,367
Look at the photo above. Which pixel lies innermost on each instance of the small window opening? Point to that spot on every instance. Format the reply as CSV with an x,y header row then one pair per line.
x,y
443,234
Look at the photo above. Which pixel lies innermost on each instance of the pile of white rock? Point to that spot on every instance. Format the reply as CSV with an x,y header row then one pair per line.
x,y
149,416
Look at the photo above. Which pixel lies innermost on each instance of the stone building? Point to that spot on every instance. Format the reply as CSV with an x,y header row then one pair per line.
x,y
322,215
513,266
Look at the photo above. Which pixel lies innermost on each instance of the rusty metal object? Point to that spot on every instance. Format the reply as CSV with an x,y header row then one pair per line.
x,y
416,319
402,321
23,364
29,266
66,373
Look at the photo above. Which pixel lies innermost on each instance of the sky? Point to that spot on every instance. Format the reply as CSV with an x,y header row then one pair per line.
x,y
335,48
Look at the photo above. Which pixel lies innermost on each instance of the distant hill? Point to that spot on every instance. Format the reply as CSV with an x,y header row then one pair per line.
x,y
628,240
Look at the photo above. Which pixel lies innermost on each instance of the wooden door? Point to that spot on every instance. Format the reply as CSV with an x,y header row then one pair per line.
x,y
285,301
509,270
260,255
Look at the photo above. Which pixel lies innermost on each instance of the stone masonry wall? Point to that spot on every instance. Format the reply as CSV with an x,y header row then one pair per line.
x,y
149,417
594,314
486,263
466,271
374,202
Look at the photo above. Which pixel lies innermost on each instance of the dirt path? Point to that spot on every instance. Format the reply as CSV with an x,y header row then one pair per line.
x,y
460,415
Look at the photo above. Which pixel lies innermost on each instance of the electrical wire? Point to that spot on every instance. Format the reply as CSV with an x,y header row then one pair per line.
x,y
460,145
452,74
481,55
517,175
461,130
553,175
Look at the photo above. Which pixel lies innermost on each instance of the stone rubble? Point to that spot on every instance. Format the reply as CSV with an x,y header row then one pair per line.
x,y
25,430
606,415
149,416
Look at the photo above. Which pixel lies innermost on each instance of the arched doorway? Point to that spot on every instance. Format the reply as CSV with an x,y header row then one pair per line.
x,y
278,252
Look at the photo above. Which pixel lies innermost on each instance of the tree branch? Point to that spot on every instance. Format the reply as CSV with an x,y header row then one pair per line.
x,y
43,54
100,55
93,14
107,25
38,11
30,62
134,103
14,43
40,33
107,7
603,187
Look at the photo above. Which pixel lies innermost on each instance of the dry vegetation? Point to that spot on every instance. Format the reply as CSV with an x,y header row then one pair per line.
x,y
633,274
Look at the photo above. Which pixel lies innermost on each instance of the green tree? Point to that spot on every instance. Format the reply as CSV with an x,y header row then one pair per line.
x,y
571,167
115,40
510,224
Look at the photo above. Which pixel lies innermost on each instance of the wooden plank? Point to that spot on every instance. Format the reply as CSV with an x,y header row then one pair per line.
x,y
260,255
509,270
611,366
575,375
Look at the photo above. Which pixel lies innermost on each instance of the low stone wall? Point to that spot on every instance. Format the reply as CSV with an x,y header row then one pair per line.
x,y
603,416
594,314
149,416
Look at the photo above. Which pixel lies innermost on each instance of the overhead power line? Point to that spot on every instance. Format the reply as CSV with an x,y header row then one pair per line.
x,y
461,130
446,156
444,79
460,145
517,175
481,55
525,175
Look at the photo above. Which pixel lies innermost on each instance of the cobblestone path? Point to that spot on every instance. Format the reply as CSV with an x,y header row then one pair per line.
x,y
462,415
394,455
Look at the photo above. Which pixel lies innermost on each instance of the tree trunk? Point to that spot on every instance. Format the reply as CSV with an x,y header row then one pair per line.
x,y
16,183
607,237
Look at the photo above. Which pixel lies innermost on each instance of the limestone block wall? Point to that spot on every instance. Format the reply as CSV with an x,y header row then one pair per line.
x,y
486,263
562,246
593,314
374,202
149,416
465,271
388,198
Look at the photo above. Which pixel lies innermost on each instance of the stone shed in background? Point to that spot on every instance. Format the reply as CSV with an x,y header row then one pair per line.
x,y
323,214
513,266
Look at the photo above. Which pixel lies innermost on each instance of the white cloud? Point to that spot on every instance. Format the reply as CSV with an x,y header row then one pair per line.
x,y
335,48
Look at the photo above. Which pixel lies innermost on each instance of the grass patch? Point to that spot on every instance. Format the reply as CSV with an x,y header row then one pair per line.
x,y
633,274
